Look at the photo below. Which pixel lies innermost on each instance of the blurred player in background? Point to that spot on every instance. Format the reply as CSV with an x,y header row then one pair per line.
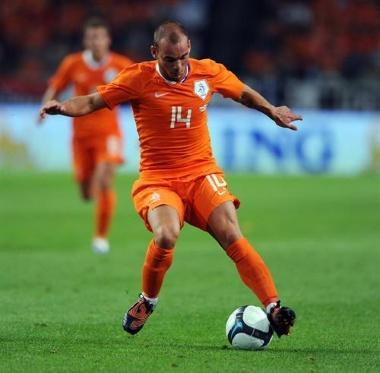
x,y
96,142
179,178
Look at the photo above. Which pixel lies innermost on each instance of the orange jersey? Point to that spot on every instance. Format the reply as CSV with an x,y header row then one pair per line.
x,y
171,118
85,74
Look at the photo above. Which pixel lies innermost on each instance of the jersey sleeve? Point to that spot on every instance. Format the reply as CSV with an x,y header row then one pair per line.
x,y
225,82
125,87
62,77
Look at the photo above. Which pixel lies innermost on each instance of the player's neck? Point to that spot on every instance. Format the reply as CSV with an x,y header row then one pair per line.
x,y
168,80
95,61
99,58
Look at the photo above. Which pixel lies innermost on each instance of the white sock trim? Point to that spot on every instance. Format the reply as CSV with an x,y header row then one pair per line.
x,y
270,306
151,300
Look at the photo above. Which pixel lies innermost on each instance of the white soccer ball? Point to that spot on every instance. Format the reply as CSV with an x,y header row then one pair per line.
x,y
248,328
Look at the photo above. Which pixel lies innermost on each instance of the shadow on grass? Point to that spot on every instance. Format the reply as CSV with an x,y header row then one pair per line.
x,y
325,351
143,342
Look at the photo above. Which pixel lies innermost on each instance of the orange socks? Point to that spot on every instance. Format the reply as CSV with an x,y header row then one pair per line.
x,y
253,271
157,262
106,200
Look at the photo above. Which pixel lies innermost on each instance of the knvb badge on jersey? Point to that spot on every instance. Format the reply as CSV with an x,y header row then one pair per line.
x,y
201,88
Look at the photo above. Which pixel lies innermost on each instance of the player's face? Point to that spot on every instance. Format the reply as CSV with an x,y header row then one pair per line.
x,y
173,58
97,40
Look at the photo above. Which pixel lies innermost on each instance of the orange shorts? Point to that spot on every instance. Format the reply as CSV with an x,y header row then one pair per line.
x,y
89,152
194,200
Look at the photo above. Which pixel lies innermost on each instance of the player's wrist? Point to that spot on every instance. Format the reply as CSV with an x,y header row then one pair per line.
x,y
270,111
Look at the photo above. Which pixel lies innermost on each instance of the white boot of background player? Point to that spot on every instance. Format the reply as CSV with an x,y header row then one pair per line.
x,y
100,245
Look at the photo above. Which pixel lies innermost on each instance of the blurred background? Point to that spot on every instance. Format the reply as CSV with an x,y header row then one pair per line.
x,y
310,199
320,57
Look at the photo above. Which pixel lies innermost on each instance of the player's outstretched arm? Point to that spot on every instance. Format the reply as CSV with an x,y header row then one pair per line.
x,y
73,107
281,115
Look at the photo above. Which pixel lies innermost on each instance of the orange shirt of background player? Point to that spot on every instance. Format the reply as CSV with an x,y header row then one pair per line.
x,y
171,118
79,69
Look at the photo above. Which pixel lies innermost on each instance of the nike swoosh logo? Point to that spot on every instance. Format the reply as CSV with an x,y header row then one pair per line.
x,y
158,94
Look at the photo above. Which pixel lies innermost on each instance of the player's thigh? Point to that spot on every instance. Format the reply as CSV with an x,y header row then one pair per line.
x,y
208,193
148,197
104,175
165,223
108,155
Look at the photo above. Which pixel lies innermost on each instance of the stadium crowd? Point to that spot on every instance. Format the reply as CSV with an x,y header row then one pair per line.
x,y
310,53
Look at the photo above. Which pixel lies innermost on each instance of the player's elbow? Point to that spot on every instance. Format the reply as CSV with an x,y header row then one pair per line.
x,y
91,106
95,102
247,100
81,105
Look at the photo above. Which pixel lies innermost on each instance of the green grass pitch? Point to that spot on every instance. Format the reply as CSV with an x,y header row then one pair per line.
x,y
61,306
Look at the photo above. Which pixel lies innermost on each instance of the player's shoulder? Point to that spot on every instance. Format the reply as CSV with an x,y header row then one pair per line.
x,y
142,69
73,57
148,67
71,61
137,75
206,66
121,59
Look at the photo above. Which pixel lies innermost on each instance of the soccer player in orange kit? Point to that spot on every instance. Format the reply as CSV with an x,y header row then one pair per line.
x,y
179,178
96,141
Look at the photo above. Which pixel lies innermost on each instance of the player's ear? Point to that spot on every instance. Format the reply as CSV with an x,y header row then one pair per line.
x,y
153,51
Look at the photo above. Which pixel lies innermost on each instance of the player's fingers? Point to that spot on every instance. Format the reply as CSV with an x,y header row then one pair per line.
x,y
297,117
289,125
284,108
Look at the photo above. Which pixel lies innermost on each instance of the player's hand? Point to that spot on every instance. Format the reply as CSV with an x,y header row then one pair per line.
x,y
284,117
52,107
39,120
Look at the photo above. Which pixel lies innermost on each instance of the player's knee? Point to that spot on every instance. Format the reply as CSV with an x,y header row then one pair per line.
x,y
86,195
228,235
86,191
86,198
105,179
166,237
231,236
105,182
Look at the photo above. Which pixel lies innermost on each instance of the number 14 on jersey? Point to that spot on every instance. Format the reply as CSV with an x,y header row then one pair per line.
x,y
177,117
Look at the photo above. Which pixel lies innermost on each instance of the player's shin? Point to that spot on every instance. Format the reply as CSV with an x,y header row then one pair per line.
x,y
105,206
157,262
253,271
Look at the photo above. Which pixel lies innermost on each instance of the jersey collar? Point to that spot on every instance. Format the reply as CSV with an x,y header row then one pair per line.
x,y
172,82
91,62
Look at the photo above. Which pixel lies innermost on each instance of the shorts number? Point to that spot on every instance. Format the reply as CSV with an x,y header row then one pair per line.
x,y
177,117
113,146
217,183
